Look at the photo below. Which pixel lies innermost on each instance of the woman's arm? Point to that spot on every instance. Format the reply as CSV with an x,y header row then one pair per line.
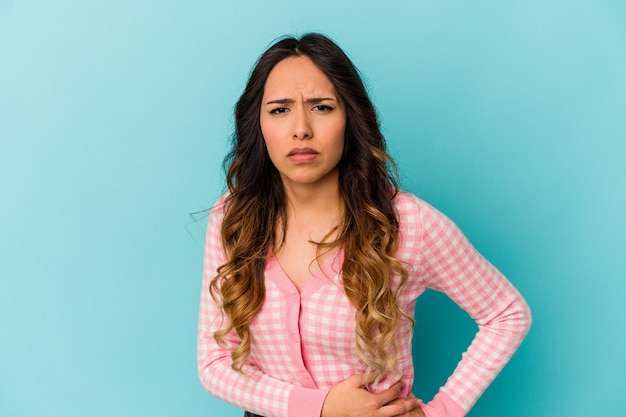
x,y
252,390
450,264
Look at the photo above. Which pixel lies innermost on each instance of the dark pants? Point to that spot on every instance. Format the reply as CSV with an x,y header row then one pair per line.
x,y
249,414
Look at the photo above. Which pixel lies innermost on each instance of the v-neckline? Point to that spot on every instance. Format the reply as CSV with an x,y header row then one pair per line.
x,y
327,273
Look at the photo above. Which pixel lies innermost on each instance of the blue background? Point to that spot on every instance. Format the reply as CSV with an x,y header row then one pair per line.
x,y
510,117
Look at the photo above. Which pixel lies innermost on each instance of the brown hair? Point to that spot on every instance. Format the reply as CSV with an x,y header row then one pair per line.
x,y
255,210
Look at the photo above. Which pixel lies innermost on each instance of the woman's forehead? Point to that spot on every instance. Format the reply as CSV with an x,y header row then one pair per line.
x,y
297,76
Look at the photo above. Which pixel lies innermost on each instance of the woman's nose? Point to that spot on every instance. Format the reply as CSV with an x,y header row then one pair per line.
x,y
302,124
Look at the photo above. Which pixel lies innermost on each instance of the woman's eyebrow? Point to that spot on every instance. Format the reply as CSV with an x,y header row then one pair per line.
x,y
312,100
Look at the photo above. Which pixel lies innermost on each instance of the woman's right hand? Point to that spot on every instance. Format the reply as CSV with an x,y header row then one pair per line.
x,y
349,398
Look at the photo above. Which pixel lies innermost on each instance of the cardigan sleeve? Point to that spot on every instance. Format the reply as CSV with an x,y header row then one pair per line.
x,y
251,390
450,264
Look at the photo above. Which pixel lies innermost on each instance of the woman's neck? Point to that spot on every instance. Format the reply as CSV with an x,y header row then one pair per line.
x,y
309,237
313,204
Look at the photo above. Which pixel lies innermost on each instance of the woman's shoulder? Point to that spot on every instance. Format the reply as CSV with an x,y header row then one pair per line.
x,y
406,203
219,207
410,211
215,213
414,210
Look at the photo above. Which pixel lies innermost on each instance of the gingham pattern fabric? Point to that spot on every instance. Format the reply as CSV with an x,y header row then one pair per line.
x,y
303,342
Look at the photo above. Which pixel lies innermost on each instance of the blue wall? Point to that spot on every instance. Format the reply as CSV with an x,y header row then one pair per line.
x,y
114,116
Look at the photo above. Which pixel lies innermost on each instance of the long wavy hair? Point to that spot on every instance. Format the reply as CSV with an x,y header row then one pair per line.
x,y
255,211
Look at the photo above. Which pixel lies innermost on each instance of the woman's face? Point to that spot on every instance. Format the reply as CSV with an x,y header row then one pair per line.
x,y
303,121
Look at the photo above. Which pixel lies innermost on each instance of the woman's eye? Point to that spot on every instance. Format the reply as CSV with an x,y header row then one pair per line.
x,y
278,110
322,107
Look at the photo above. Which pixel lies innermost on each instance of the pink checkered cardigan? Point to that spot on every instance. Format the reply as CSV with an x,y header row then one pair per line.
x,y
303,342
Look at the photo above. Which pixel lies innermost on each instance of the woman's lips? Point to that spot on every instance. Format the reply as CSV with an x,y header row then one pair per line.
x,y
301,155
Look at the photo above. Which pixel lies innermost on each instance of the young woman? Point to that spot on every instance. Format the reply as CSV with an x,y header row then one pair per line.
x,y
314,259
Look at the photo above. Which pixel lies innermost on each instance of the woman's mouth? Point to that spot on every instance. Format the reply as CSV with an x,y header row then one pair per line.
x,y
302,155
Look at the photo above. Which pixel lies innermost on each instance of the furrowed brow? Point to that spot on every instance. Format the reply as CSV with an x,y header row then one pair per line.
x,y
313,100
316,100
280,101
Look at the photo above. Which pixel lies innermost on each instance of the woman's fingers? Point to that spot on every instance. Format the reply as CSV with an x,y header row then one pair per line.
x,y
390,394
410,406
